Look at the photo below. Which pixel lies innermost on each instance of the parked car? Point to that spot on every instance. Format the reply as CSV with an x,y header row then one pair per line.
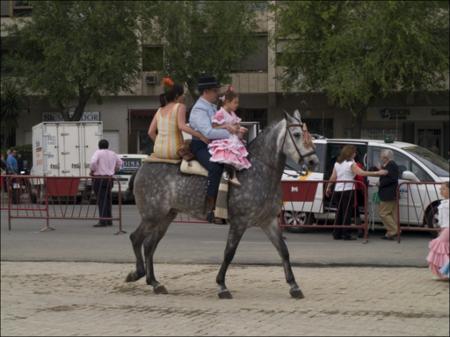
x,y
416,164
131,163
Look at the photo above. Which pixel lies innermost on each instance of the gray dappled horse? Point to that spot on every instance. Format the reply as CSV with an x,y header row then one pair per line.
x,y
161,191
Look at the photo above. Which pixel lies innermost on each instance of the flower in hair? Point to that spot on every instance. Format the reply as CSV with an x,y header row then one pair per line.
x,y
222,98
167,83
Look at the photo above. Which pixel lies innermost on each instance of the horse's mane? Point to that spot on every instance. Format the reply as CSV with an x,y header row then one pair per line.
x,y
261,135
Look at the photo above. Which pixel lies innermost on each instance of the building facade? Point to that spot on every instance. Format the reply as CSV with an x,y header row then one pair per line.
x,y
422,119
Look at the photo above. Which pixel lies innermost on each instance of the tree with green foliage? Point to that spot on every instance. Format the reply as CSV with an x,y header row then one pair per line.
x,y
12,103
74,51
358,51
201,36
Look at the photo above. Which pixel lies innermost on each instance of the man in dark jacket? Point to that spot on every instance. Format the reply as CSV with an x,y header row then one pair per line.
x,y
387,192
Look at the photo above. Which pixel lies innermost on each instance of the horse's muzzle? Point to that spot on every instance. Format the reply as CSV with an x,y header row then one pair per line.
x,y
311,161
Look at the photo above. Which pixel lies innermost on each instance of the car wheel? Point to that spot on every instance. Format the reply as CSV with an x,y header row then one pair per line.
x,y
293,218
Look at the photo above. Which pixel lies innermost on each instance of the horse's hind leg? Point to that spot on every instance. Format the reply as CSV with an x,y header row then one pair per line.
x,y
273,232
150,244
234,236
137,237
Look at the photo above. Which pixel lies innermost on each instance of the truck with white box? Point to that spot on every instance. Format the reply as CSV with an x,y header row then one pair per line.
x,y
64,148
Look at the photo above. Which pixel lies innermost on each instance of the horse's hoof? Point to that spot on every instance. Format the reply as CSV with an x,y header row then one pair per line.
x,y
133,276
225,294
160,289
296,293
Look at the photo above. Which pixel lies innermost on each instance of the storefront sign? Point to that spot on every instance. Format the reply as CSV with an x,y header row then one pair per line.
x,y
436,112
391,114
410,113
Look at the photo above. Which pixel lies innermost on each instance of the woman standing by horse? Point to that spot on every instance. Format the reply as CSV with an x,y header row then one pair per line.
x,y
169,122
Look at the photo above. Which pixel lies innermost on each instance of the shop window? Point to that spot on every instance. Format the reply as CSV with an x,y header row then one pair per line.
x,y
320,126
21,8
430,138
145,143
253,115
256,61
6,5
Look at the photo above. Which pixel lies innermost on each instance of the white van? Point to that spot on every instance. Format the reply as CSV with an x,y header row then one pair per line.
x,y
418,206
131,163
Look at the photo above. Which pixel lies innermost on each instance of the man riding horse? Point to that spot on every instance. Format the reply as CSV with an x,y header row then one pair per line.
x,y
201,120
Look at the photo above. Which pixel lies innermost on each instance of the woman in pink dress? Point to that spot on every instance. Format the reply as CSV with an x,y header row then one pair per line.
x,y
438,256
229,151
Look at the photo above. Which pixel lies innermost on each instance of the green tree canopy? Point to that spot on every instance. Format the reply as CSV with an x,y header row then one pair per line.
x,y
201,36
77,50
356,51
12,103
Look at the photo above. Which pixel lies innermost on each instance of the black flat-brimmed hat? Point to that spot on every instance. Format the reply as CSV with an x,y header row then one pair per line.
x,y
207,82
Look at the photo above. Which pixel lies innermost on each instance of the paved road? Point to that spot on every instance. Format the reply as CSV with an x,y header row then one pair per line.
x,y
91,299
199,243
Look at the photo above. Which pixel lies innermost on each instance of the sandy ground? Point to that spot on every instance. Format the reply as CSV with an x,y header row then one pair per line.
x,y
58,298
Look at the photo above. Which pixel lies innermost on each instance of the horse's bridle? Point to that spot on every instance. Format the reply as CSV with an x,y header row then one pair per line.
x,y
288,131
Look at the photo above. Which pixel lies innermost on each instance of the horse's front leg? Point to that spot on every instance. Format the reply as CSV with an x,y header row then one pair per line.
x,y
273,232
137,237
234,236
150,244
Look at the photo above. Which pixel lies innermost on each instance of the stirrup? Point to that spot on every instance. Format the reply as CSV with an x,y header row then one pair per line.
x,y
212,219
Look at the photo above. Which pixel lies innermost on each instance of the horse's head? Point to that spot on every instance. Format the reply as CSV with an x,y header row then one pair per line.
x,y
297,143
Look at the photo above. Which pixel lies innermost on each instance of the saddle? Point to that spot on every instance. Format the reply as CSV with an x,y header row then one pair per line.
x,y
188,164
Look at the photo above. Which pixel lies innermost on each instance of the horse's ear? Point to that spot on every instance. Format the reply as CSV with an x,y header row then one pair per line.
x,y
287,116
297,116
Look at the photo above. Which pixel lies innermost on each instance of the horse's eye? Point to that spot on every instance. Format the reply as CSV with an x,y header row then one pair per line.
x,y
297,135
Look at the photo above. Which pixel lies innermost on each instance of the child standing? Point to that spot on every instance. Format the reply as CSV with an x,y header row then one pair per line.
x,y
229,151
438,257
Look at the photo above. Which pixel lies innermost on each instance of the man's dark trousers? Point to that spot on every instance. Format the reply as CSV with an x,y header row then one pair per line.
x,y
200,150
102,188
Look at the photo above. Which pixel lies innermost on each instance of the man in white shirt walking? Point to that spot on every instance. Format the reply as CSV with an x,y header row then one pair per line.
x,y
104,164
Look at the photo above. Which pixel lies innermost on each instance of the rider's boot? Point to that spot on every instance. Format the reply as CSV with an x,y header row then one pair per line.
x,y
210,205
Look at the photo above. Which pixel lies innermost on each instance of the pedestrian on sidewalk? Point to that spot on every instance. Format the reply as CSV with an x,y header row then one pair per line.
x,y
438,256
11,162
387,192
104,164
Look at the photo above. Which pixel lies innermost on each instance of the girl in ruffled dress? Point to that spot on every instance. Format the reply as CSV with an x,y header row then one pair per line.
x,y
438,257
229,151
